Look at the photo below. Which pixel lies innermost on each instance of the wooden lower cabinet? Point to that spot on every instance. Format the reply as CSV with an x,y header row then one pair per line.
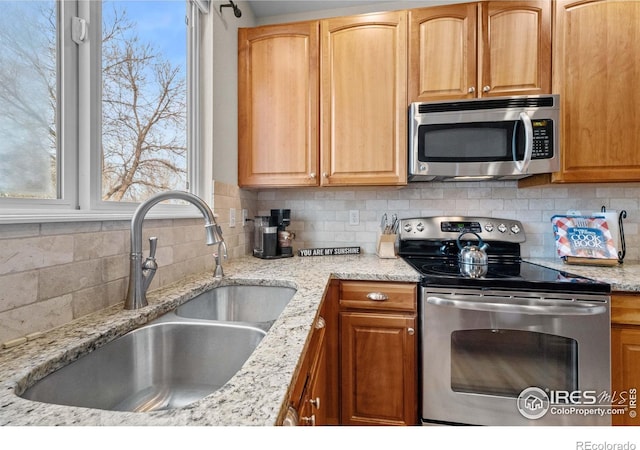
x,y
312,408
625,353
360,366
307,398
377,348
625,368
378,369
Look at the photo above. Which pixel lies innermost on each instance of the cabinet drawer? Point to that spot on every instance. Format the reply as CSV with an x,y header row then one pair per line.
x,y
378,295
625,308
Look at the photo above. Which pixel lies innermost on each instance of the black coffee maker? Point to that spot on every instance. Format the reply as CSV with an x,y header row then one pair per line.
x,y
281,218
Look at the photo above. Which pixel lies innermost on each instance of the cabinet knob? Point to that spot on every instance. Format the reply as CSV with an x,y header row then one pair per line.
x,y
486,89
320,323
411,331
315,402
309,420
325,174
471,90
312,175
377,296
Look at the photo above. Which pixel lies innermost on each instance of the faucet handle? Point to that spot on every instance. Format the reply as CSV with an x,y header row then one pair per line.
x,y
153,245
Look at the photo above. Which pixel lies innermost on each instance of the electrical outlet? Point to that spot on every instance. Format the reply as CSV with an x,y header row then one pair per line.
x,y
232,217
245,213
354,217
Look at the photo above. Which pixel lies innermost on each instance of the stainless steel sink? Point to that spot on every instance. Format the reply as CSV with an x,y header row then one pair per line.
x,y
159,366
240,303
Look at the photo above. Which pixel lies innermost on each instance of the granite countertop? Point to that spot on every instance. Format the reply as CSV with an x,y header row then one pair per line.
x,y
254,396
258,392
623,277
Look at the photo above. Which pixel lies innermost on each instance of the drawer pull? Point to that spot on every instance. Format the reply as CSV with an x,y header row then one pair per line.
x,y
377,296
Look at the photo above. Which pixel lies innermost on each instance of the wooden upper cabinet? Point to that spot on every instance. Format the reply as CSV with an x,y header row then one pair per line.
x,y
596,71
278,90
442,52
481,49
364,99
515,48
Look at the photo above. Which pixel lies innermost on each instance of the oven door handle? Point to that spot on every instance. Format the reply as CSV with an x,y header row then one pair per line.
x,y
577,309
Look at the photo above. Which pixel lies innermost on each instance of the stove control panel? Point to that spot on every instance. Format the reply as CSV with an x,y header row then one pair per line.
x,y
450,227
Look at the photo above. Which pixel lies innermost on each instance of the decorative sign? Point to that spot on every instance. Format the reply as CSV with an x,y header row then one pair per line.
x,y
329,251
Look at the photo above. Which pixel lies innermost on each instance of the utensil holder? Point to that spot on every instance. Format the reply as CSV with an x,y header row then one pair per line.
x,y
386,247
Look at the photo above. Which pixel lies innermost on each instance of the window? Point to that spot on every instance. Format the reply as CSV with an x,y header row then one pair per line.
x,y
29,157
96,127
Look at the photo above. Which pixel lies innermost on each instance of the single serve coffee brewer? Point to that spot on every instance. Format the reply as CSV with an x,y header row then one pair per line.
x,y
271,238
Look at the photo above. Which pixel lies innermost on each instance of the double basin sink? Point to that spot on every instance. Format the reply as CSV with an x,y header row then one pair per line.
x,y
174,360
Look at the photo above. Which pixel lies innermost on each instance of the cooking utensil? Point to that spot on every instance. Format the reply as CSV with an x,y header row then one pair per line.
x,y
473,259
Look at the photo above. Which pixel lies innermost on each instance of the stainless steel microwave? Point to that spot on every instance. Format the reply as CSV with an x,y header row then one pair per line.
x,y
503,138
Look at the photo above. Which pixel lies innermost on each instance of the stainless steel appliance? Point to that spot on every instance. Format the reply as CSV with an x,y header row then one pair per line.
x,y
271,238
499,138
521,345
282,219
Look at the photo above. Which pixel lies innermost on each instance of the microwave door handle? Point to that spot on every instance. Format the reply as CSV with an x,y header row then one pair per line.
x,y
544,309
523,165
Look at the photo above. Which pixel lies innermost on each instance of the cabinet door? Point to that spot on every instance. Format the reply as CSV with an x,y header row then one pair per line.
x,y
596,71
442,53
378,369
278,105
515,48
364,99
625,367
314,408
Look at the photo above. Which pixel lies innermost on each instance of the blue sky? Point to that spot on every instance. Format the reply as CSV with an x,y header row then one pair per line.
x,y
160,22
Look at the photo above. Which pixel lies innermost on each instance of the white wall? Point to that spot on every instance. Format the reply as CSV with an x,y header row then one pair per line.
x,y
221,112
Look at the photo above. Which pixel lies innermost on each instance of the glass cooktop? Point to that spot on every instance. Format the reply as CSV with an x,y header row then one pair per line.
x,y
504,274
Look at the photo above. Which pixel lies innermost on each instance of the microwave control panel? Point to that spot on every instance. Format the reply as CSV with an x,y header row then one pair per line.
x,y
542,138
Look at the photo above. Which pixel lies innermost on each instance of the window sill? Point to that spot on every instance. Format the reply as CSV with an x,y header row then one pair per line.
x,y
53,216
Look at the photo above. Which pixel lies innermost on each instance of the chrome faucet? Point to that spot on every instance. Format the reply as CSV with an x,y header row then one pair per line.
x,y
218,272
141,273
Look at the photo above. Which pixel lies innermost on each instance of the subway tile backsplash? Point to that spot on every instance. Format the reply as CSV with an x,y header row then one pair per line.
x,y
320,216
52,273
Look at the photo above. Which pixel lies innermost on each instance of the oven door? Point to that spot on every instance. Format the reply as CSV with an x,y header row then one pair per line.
x,y
514,358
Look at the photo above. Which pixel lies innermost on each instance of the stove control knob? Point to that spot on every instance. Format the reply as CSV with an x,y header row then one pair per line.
x,y
420,227
489,227
407,227
502,228
515,229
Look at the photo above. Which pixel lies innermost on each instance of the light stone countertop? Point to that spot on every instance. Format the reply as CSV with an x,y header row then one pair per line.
x,y
254,396
623,277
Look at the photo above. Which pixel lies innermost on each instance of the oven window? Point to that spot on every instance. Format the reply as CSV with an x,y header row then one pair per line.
x,y
470,142
504,362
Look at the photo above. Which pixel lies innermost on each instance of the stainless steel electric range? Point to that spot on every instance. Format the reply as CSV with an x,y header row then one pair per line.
x,y
520,344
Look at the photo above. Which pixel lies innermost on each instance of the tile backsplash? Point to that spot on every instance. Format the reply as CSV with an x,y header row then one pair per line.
x,y
52,273
320,216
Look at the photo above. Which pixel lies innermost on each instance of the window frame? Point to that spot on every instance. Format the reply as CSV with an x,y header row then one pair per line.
x,y
79,126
